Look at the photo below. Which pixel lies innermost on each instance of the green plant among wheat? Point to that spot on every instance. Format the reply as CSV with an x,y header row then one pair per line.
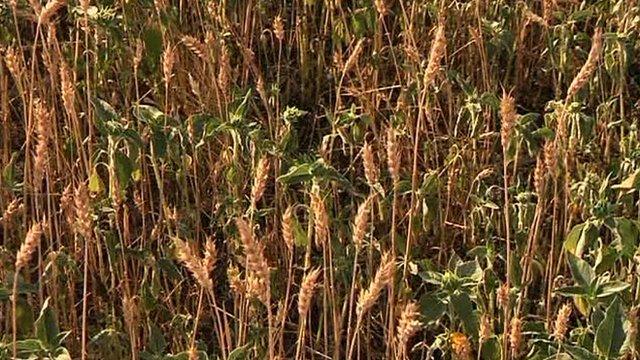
x,y
319,179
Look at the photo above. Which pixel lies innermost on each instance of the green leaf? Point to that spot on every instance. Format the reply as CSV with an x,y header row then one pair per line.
x,y
47,327
626,237
582,272
469,269
431,307
580,237
572,291
315,170
157,343
239,353
491,349
301,237
463,307
95,183
579,353
631,182
611,287
148,114
610,334
124,168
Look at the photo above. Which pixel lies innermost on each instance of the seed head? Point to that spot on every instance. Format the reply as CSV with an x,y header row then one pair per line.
x,y
589,66
408,325
561,324
461,346
43,129
278,28
438,48
288,228
485,328
382,278
257,267
307,288
393,155
29,245
195,45
260,180
193,263
320,216
509,116
361,221
371,171
515,335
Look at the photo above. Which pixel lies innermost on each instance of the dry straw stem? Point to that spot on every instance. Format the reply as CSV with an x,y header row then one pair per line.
x,y
381,7
257,267
355,54
67,89
29,245
307,289
408,325
382,279
589,66
539,175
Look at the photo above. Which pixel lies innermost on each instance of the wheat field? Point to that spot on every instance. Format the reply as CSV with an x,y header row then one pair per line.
x,y
319,179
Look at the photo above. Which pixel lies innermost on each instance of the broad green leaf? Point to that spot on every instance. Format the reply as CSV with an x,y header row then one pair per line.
x,y
124,168
30,345
631,182
432,308
579,353
491,349
463,307
626,237
95,183
611,287
469,269
240,353
47,327
582,272
610,334
580,237
157,343
572,291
